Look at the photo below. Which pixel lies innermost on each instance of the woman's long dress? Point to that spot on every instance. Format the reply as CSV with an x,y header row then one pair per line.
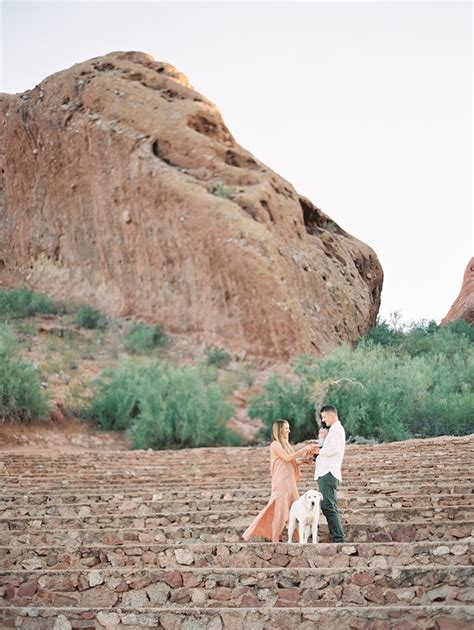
x,y
271,521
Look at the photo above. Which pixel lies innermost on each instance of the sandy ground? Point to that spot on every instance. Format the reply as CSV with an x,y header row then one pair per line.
x,y
58,436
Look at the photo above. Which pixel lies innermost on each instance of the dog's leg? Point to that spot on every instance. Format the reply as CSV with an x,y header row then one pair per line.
x,y
314,528
301,531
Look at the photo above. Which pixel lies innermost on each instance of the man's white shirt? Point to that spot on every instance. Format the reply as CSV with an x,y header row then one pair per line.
x,y
332,452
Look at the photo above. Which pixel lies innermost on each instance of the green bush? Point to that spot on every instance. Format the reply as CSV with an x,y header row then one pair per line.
x,y
419,383
418,337
460,327
444,342
162,407
450,415
282,399
141,338
88,317
371,388
21,397
218,357
16,303
114,403
383,335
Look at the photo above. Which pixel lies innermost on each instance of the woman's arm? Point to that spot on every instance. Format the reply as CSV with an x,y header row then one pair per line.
x,y
278,451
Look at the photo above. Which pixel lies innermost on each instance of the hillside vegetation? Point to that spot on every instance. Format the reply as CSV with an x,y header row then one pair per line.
x,y
394,385
123,375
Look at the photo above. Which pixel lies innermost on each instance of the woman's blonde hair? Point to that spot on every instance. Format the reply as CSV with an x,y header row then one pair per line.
x,y
277,435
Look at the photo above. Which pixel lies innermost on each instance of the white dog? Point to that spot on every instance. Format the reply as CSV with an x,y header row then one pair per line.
x,y
306,511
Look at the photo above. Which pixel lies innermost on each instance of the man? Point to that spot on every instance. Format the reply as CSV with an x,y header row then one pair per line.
x,y
328,470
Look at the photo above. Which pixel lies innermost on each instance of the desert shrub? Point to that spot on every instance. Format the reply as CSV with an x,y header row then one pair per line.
x,y
88,317
282,399
372,388
116,392
383,335
162,407
420,385
460,327
141,338
17,303
218,357
21,397
444,343
420,337
449,414
183,413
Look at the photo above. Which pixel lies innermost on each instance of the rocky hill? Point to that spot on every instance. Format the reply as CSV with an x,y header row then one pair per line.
x,y
122,187
463,306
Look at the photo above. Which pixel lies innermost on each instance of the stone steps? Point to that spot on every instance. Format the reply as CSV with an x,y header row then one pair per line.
x,y
375,485
225,492
251,469
137,539
355,532
392,617
380,516
237,457
424,449
174,556
131,588
146,504
259,465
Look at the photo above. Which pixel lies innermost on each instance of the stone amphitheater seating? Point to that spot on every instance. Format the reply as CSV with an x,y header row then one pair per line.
x,y
146,539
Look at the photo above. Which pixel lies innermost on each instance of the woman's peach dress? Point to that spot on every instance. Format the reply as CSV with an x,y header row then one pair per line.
x,y
271,521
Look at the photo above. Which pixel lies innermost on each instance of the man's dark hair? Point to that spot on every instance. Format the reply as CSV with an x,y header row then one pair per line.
x,y
328,408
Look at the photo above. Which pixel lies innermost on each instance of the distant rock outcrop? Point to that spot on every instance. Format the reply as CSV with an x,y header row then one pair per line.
x,y
122,187
463,306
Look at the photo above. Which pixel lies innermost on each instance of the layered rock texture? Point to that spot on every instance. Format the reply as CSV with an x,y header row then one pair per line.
x,y
463,307
122,187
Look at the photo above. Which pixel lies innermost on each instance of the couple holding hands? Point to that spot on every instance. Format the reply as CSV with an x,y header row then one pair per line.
x,y
285,472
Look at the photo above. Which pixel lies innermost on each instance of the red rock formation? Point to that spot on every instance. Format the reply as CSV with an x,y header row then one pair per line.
x,y
463,306
122,187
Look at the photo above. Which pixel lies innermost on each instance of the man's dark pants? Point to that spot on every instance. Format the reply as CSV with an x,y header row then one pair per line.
x,y
328,486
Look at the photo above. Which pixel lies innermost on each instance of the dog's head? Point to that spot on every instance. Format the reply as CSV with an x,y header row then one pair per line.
x,y
312,498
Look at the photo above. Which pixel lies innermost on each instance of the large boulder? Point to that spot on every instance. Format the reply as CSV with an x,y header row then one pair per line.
x,y
122,187
463,306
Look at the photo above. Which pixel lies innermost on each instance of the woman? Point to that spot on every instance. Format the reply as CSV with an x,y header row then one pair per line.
x,y
285,472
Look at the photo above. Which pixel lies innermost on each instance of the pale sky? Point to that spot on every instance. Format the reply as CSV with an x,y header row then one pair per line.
x,y
365,107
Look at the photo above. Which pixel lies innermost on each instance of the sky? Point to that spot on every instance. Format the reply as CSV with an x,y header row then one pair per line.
x,y
365,107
